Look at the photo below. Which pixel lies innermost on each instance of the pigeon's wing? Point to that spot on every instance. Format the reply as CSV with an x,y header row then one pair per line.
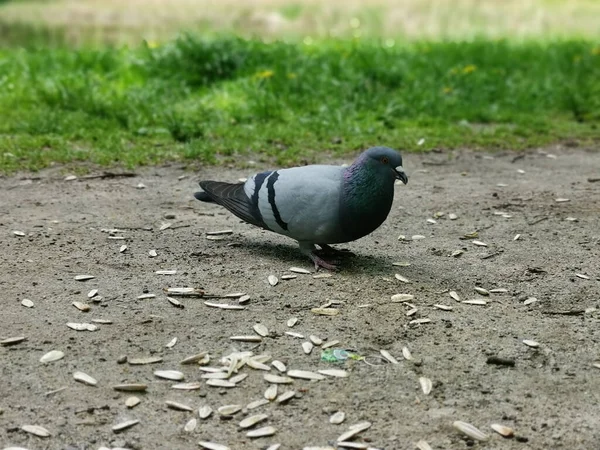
x,y
233,197
302,202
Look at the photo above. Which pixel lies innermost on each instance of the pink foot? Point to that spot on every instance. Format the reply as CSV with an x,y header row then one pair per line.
x,y
320,262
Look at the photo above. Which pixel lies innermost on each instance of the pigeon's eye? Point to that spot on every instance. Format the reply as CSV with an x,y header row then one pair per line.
x,y
384,160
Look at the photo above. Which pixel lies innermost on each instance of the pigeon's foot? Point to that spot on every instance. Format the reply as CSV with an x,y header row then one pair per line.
x,y
320,262
328,250
309,250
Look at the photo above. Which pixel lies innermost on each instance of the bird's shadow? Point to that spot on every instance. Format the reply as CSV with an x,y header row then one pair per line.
x,y
279,253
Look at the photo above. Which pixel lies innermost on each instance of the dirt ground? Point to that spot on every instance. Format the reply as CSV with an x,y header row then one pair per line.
x,y
550,397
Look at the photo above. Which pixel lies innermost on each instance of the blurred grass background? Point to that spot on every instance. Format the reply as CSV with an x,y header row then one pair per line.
x,y
143,82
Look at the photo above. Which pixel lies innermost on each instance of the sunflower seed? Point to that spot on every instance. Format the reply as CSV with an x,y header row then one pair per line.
x,y
164,226
261,432
299,270
27,303
271,392
482,291
277,379
229,410
287,395
205,411
257,365
224,305
596,365
171,343
253,420
325,311
145,296
273,447
337,418
480,244
92,293
272,279
411,312
354,430
12,340
571,219
456,253
238,378
455,296
190,425
476,301
261,330
443,307
213,369
116,238
131,387
124,425
84,277
452,216
426,385
194,358
334,373
399,298
166,272
582,276
423,445
220,383
356,445
144,360
388,356
315,339
279,366
215,376
419,321
517,237
122,248
292,321
502,430
401,264
417,237
81,306
470,430
36,430
401,278
52,356
305,375
132,402
561,200
330,344
212,446
177,406
85,379
530,343
18,233
102,321
169,375
406,353
257,403
243,299
246,338
530,300
192,386
322,275
307,347
219,232
182,291
152,253
431,221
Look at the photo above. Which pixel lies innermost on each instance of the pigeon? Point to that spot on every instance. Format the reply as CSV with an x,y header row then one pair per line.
x,y
316,204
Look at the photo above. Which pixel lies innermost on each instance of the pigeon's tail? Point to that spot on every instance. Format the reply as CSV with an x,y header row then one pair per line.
x,y
232,197
203,197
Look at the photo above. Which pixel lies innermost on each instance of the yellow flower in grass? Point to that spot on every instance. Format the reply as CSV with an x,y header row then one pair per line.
x,y
291,76
152,44
470,68
447,90
595,51
264,74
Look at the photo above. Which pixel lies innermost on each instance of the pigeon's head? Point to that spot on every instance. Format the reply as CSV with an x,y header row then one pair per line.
x,y
385,159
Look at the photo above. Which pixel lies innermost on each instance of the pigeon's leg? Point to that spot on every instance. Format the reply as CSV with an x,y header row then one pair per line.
x,y
308,249
328,250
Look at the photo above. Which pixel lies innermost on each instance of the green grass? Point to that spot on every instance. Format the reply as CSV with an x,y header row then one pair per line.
x,y
230,99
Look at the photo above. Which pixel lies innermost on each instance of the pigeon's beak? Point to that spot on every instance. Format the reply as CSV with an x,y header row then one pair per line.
x,y
401,175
